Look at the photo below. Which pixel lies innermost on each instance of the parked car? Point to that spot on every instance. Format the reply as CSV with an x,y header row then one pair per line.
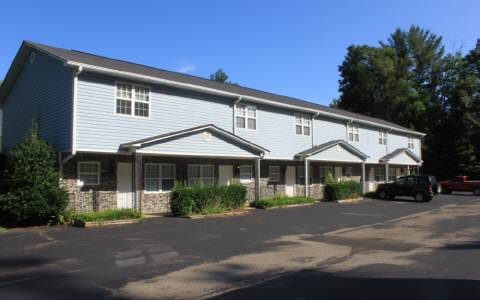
x,y
460,184
422,188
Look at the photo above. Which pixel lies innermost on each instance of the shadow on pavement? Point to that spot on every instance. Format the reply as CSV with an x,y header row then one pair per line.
x,y
317,285
474,245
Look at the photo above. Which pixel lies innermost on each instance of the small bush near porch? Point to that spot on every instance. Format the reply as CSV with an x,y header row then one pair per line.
x,y
106,215
281,201
342,190
207,200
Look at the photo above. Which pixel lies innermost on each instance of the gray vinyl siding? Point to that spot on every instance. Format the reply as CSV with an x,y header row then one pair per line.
x,y
42,93
100,128
276,132
369,145
198,145
327,129
336,153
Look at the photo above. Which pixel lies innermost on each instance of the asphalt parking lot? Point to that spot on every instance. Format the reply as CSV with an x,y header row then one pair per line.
x,y
372,249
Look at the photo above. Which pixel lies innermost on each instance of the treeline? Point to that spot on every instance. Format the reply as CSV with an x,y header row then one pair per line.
x,y
411,80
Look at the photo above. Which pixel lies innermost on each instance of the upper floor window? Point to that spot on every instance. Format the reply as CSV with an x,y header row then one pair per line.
x,y
89,173
203,175
353,133
303,124
382,137
246,116
411,144
159,177
132,100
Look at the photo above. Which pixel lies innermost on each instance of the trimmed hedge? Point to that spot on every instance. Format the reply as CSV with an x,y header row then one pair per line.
x,y
281,201
342,190
207,200
106,215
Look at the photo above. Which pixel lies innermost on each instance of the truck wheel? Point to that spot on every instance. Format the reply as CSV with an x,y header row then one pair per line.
x,y
382,194
476,192
419,197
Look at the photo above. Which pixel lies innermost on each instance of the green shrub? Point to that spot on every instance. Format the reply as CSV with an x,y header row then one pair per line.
x,y
206,200
342,190
281,201
33,194
79,219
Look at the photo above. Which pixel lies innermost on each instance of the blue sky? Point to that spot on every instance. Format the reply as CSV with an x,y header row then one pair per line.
x,y
287,47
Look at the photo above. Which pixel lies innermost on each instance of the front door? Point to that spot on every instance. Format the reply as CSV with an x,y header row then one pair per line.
x,y
225,174
290,181
124,185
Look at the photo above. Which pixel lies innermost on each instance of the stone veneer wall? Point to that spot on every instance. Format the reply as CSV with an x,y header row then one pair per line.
x,y
104,195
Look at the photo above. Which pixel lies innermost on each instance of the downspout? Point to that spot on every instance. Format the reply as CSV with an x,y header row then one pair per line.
x,y
313,126
76,72
234,112
307,172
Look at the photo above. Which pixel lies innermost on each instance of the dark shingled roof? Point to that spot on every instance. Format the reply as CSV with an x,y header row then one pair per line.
x,y
398,151
120,65
324,146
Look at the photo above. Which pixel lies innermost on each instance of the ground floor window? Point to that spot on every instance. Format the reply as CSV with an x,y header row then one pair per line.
x,y
246,173
379,174
201,175
326,171
301,175
348,172
159,177
274,173
89,173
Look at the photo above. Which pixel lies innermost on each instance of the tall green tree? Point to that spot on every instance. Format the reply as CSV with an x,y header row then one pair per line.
x,y
410,80
219,76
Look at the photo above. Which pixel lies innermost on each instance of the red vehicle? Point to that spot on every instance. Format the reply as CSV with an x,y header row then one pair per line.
x,y
460,184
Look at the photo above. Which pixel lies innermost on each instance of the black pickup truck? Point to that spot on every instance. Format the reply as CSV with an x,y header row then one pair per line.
x,y
421,188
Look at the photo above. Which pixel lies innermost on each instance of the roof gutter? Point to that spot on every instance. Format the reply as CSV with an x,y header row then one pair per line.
x,y
136,76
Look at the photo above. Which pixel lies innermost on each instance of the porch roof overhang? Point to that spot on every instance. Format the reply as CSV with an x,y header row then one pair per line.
x,y
402,156
205,140
314,153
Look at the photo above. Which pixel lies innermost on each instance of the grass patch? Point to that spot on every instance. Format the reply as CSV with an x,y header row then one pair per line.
x,y
211,210
107,215
281,201
2,229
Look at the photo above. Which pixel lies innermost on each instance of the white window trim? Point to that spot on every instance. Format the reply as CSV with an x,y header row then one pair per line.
x,y
355,130
411,143
303,117
240,173
201,172
132,114
382,137
160,191
81,183
246,117
277,172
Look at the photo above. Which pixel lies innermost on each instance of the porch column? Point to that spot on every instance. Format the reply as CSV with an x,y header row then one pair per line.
x,y
418,170
307,165
257,179
137,181
363,177
386,172
408,170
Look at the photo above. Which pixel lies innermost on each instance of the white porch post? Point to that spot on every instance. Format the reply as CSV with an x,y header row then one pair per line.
x,y
137,180
257,179
363,177
386,172
408,170
307,165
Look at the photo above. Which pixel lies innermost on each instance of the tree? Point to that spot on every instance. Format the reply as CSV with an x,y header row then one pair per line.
x,y
33,192
410,80
219,76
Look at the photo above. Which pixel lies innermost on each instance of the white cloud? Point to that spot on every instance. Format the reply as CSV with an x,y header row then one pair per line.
x,y
184,67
